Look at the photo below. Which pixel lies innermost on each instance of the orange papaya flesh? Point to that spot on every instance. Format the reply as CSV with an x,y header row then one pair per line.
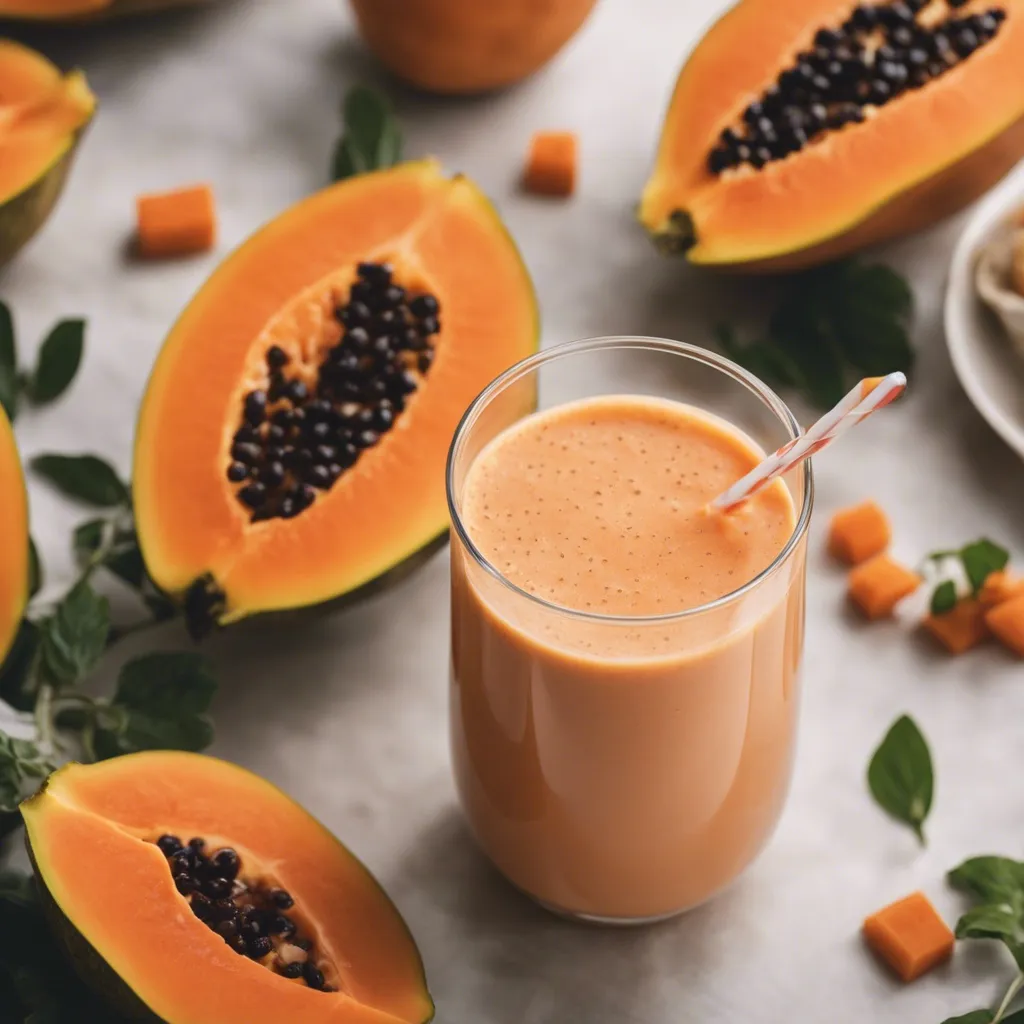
x,y
917,158
78,10
281,289
47,10
42,115
13,539
91,833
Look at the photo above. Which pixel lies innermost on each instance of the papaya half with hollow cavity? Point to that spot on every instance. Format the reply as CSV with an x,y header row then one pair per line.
x,y
79,10
14,581
187,889
801,131
292,440
467,46
42,116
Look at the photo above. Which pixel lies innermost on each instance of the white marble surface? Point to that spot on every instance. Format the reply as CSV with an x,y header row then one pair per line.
x,y
347,711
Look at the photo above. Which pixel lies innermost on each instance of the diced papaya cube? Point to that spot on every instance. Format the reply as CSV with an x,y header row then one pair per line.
x,y
961,628
551,164
857,533
879,584
1000,586
909,936
176,223
1006,620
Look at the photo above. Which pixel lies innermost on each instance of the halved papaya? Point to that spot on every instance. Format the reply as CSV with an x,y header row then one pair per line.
x,y
14,580
186,887
802,130
292,439
42,116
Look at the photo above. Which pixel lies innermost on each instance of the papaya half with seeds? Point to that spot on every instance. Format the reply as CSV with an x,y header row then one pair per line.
x,y
13,539
292,440
188,890
42,116
801,131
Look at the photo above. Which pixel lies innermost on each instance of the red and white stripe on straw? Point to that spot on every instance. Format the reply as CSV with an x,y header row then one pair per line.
x,y
870,394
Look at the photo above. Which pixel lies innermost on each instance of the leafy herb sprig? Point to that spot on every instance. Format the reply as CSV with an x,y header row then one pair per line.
x,y
900,775
59,358
997,885
160,700
372,137
834,324
979,559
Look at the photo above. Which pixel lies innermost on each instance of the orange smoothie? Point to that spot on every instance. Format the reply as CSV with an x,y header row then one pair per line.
x,y
622,728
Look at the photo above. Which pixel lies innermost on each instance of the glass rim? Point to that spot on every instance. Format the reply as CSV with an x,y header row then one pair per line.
x,y
726,366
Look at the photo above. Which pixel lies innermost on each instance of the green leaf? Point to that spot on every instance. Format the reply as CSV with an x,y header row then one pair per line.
x,y
20,761
59,359
989,878
372,138
900,775
17,686
1000,921
943,598
163,698
974,1017
35,569
86,478
8,363
75,636
762,359
998,884
87,539
982,558
166,683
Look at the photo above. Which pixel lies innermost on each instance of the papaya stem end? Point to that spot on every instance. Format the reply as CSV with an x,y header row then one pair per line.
x,y
678,234
205,602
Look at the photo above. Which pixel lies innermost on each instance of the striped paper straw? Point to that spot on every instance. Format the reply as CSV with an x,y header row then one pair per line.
x,y
870,394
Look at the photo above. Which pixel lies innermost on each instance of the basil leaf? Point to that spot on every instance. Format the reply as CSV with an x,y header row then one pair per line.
x,y
372,139
900,775
20,760
982,558
86,478
8,363
943,598
163,698
974,1017
35,569
166,683
763,360
16,684
75,636
59,359
86,540
1003,921
989,878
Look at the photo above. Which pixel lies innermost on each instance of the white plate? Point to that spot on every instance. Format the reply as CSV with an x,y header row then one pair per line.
x,y
989,369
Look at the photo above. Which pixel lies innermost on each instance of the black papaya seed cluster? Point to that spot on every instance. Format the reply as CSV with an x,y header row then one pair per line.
x,y
297,438
250,917
879,52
